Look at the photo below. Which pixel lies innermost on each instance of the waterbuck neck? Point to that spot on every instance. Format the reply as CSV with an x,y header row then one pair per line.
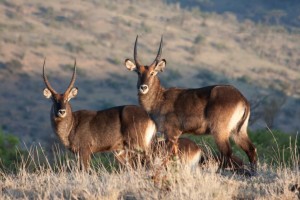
x,y
63,126
151,101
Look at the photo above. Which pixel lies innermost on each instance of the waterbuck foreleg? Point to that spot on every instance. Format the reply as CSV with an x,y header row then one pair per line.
x,y
85,157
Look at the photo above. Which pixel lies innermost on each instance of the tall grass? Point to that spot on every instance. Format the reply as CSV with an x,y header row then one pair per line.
x,y
38,177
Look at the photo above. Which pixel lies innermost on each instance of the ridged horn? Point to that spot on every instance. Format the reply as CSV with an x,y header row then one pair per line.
x,y
136,60
73,79
156,60
46,80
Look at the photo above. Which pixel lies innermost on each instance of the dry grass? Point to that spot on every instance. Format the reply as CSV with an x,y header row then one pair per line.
x,y
65,181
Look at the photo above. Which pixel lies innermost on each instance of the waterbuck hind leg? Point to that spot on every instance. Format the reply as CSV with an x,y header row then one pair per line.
x,y
226,152
243,141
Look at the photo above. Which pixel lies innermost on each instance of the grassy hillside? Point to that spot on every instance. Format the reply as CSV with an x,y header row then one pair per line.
x,y
200,49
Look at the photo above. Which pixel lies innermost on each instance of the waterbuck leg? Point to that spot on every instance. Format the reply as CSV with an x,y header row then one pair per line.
x,y
243,141
85,157
172,141
226,152
172,150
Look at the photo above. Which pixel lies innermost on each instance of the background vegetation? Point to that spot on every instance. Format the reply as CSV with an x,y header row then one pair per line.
x,y
201,48
274,148
9,150
35,176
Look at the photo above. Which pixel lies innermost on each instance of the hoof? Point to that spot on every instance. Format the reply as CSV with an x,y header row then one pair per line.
x,y
246,172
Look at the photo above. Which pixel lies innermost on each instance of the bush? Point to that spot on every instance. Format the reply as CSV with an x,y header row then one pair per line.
x,y
74,48
114,61
8,150
199,39
276,147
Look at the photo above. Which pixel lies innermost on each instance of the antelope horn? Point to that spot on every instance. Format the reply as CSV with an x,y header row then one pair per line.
x,y
156,60
135,53
46,80
73,79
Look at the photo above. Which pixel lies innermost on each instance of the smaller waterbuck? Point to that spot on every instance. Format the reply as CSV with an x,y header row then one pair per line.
x,y
190,154
219,110
120,129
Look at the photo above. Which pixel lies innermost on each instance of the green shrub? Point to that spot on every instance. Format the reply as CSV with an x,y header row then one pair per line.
x,y
144,27
8,150
104,160
276,147
114,61
199,39
73,48
219,46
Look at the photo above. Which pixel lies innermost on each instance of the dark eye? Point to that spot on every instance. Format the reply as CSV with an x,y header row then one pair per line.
x,y
152,73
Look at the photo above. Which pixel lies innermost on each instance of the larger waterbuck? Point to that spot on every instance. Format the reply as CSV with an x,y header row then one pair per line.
x,y
86,132
219,110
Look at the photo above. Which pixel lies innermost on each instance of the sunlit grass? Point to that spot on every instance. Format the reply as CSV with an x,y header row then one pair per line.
x,y
39,178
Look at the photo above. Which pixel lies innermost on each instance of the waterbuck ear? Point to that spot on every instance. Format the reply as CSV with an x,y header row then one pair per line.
x,y
73,93
47,93
160,66
130,65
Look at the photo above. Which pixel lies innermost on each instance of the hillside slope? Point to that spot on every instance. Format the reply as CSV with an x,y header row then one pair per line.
x,y
201,49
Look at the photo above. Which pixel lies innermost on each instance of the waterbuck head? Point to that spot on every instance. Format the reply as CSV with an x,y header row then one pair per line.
x,y
60,101
146,74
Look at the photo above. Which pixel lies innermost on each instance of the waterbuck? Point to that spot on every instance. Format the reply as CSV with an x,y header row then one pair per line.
x,y
219,110
190,154
85,132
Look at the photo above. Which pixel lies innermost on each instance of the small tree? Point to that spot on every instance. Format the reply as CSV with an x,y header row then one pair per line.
x,y
272,108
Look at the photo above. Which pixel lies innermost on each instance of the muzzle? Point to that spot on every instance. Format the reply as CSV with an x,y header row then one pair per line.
x,y
144,89
62,113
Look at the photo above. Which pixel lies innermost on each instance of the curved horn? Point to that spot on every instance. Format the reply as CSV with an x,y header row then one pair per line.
x,y
46,80
156,60
73,79
135,53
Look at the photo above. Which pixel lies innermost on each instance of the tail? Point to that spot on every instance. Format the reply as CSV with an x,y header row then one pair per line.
x,y
245,117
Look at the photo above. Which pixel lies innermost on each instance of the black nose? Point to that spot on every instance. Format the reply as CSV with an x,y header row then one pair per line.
x,y
144,87
62,111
